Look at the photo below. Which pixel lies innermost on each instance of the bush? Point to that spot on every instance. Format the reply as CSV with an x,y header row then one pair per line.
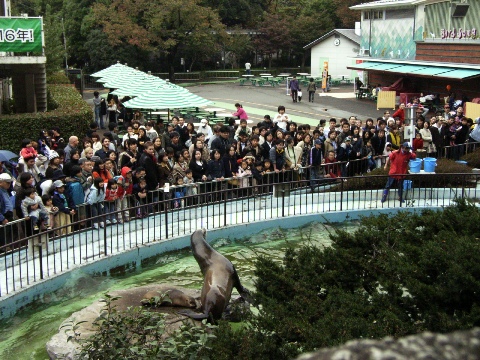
x,y
446,167
138,333
58,78
473,159
72,115
394,276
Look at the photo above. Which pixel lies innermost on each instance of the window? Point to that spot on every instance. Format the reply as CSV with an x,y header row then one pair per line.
x,y
367,15
399,14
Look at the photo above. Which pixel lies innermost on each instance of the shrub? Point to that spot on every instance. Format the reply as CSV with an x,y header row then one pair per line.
x,y
446,167
72,115
138,333
473,159
394,276
58,77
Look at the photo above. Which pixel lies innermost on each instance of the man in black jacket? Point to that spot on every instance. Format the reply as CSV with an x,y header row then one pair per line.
x,y
149,163
222,142
316,159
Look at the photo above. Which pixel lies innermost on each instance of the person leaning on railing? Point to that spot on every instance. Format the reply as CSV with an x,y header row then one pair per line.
x,y
6,208
66,208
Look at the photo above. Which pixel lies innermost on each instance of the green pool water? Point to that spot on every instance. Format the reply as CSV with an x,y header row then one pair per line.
x,y
25,335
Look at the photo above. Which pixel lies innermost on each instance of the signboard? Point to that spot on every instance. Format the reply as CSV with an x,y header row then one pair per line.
x,y
386,99
325,76
21,35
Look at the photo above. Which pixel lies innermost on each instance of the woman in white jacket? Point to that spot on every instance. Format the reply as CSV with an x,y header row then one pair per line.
x,y
293,158
428,144
95,199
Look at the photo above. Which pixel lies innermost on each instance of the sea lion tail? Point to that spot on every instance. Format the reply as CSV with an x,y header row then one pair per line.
x,y
243,291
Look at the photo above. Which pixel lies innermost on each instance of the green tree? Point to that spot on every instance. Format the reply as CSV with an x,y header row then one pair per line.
x,y
237,47
54,48
74,13
394,276
162,27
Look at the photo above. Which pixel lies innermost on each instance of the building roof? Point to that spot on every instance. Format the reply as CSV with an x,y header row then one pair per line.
x,y
380,4
348,33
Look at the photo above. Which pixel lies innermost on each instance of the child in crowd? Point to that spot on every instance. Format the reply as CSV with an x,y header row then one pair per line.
x,y
370,156
125,189
111,196
66,207
299,94
180,192
243,172
27,149
140,191
417,142
95,198
191,187
267,166
52,210
33,209
386,153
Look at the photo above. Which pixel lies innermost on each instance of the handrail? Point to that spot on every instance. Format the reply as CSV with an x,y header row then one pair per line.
x,y
43,255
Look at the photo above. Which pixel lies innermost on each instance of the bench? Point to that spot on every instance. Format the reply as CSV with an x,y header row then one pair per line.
x,y
242,81
258,82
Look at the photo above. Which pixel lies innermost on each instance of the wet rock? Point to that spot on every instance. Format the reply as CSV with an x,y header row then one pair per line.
x,y
454,346
59,348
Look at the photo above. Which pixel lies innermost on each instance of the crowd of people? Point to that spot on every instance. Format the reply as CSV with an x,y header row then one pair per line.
x,y
107,174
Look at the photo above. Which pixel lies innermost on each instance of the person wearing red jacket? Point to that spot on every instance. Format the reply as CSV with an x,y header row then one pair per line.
x,y
124,192
111,196
400,113
418,142
398,161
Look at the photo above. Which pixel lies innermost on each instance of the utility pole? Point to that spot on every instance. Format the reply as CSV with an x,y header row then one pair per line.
x,y
65,45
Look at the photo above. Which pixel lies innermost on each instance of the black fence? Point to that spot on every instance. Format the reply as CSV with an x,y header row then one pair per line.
x,y
36,256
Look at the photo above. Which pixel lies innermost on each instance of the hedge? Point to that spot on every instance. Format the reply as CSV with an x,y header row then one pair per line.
x,y
443,178
71,114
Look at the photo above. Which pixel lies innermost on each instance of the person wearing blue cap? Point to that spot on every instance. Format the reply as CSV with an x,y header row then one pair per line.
x,y
398,161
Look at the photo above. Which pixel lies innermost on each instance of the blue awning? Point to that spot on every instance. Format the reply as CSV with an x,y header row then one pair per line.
x,y
420,69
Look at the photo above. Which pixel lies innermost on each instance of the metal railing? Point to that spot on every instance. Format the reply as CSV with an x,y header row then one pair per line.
x,y
216,204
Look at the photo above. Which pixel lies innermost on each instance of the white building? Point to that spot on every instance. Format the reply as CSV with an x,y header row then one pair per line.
x,y
338,47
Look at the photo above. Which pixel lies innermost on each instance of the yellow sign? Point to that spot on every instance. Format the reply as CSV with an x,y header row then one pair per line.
x,y
325,75
472,110
386,99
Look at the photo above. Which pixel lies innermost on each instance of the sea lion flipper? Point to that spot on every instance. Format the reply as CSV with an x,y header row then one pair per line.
x,y
192,314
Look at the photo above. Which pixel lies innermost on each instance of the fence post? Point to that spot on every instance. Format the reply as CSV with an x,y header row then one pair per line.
x,y
283,202
105,240
40,258
166,220
225,208
341,195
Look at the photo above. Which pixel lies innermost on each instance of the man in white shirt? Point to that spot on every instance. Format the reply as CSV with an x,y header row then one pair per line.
x,y
248,66
204,128
281,119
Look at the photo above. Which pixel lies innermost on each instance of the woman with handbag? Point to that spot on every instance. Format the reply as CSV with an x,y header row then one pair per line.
x,y
230,165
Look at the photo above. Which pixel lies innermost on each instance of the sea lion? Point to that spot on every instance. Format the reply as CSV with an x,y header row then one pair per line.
x,y
220,277
175,298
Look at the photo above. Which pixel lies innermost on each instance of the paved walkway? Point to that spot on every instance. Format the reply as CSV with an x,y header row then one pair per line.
x,y
261,100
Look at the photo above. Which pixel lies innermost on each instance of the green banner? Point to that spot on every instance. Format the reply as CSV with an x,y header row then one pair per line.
x,y
21,34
